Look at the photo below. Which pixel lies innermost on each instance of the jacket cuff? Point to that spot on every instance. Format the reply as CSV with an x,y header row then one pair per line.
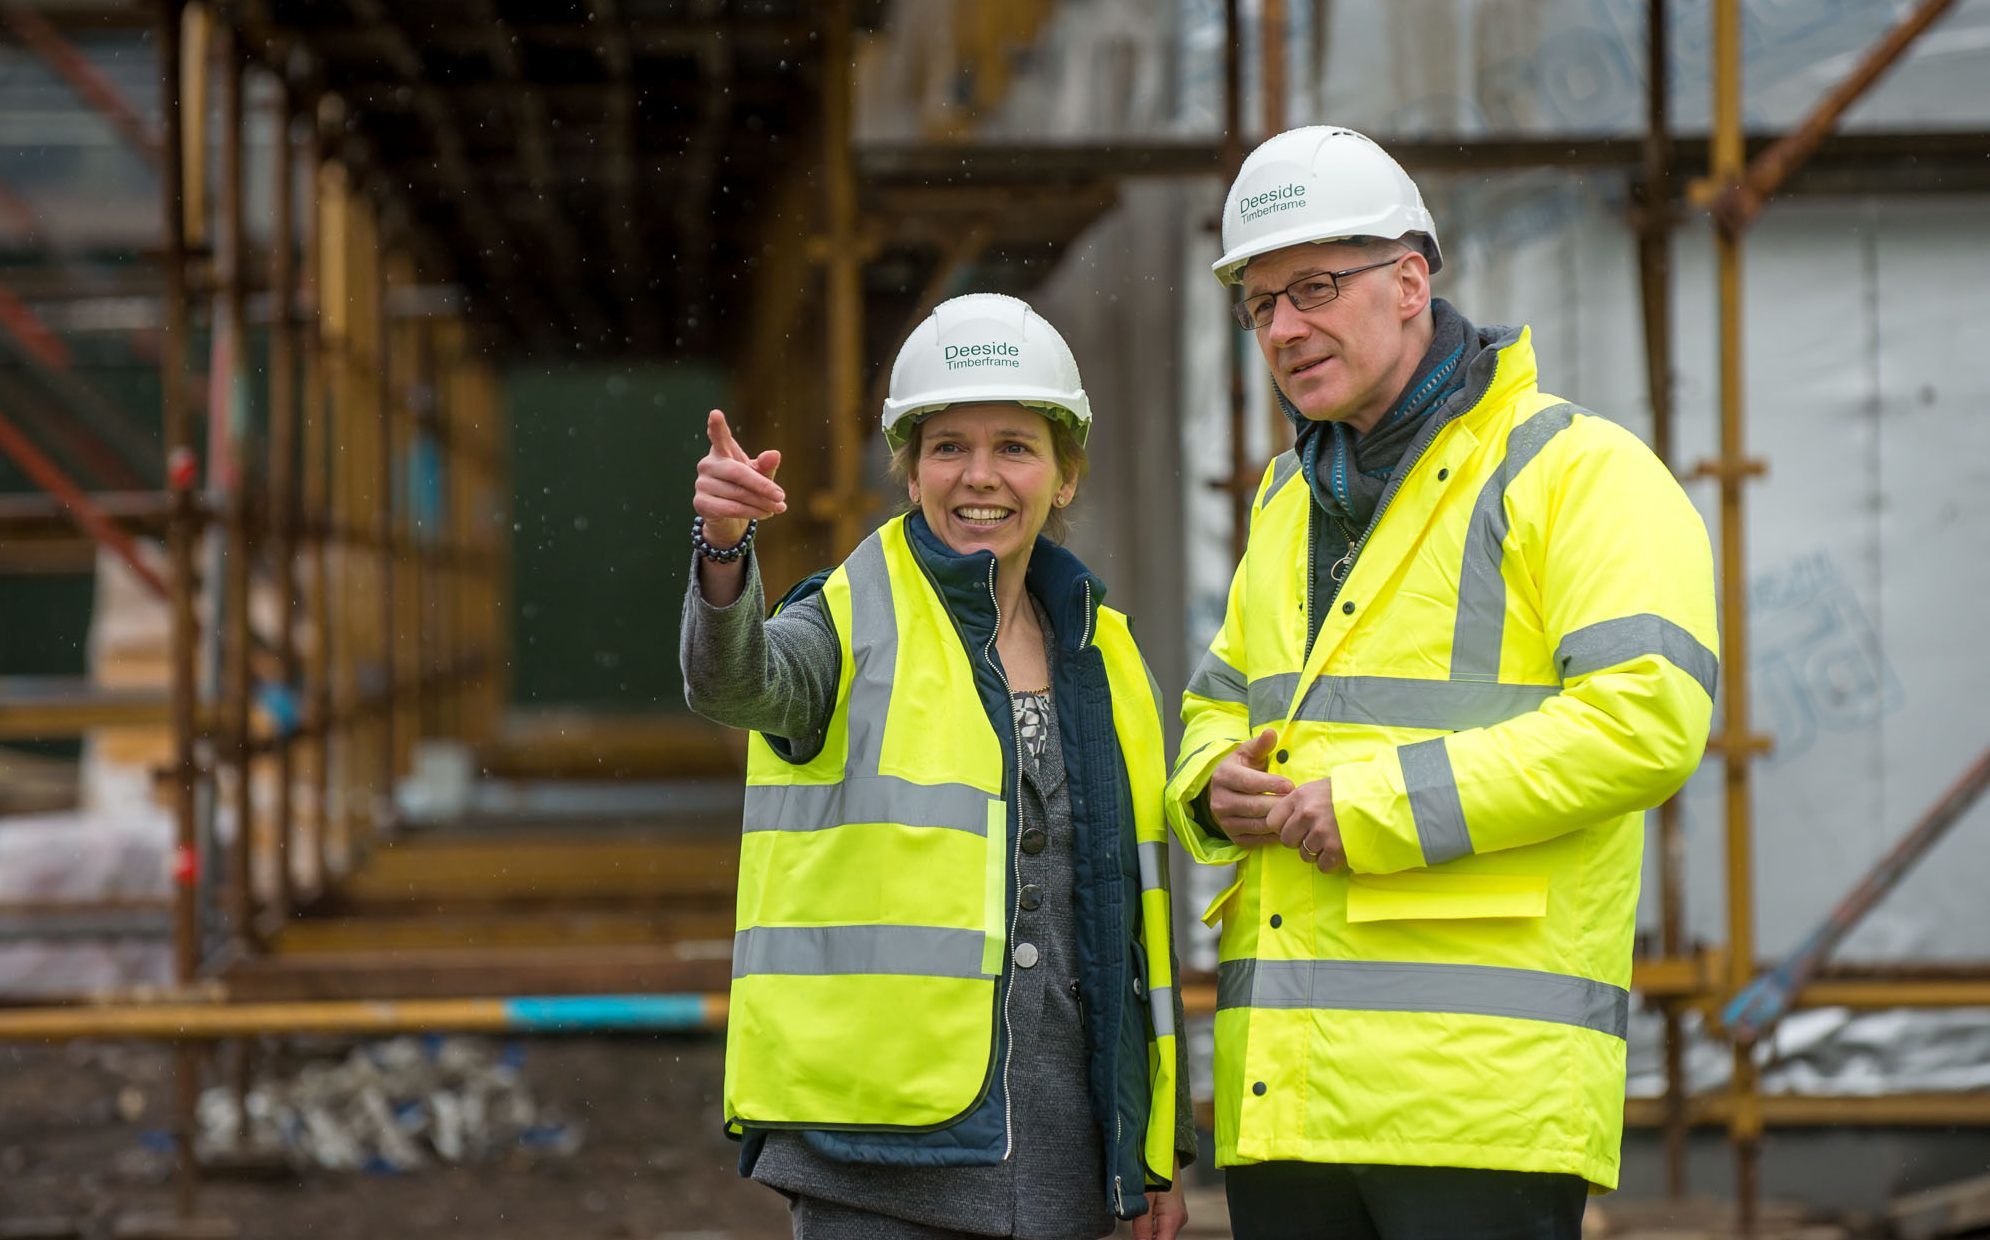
x,y
1371,809
1186,810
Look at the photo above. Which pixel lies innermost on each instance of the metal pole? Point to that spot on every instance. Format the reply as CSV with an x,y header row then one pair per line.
x,y
47,475
234,484
283,479
1238,483
844,292
183,633
380,338
1272,54
316,498
1745,1119
1654,220
60,428
1742,199
1753,1013
527,1014
83,77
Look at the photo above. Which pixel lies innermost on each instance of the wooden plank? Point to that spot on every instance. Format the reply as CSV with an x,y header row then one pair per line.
x,y
442,974
43,707
690,920
1915,1110
419,871
1951,1210
661,746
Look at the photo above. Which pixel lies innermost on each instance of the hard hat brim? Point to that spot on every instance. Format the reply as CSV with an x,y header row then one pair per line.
x,y
1074,409
1230,268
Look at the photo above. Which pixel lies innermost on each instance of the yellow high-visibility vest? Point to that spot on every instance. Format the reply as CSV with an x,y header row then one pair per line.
x,y
1520,661
874,900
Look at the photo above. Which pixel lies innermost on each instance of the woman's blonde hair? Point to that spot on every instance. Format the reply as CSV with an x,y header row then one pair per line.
x,y
1072,465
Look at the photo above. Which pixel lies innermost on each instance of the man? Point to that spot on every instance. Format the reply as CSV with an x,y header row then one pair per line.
x,y
1471,641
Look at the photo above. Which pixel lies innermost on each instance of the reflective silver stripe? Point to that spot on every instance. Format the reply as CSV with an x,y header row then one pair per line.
x,y
1434,803
1182,763
864,795
866,798
1405,702
873,655
1153,686
1216,680
1481,621
1161,1006
1283,466
1387,986
1270,695
1610,643
1153,865
918,951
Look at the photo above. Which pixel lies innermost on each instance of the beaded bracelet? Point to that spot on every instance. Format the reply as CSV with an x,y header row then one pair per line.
x,y
720,555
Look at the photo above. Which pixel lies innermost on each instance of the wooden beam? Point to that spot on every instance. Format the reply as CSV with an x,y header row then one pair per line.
x,y
641,969
645,38
45,708
514,870
577,926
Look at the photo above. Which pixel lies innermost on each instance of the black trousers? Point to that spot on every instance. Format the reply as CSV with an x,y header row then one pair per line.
x,y
1332,1201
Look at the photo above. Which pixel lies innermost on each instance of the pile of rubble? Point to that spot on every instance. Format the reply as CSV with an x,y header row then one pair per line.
x,y
392,1106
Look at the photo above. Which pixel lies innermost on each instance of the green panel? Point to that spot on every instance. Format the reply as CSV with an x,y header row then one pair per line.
x,y
45,619
603,460
44,631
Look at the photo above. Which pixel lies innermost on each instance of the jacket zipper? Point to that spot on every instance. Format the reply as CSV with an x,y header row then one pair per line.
x,y
1118,1182
1118,1116
1015,860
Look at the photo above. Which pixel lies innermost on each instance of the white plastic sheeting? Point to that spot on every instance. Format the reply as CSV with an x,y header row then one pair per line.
x,y
1868,545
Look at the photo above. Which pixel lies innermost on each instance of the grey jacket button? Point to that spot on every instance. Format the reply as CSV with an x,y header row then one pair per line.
x,y
1025,955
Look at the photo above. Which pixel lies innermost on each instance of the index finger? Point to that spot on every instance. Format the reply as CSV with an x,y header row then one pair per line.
x,y
720,433
1250,780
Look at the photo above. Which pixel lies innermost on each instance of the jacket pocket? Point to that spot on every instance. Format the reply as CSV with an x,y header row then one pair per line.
x,y
1421,895
1214,913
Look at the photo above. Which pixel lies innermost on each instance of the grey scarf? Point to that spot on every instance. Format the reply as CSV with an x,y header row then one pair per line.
x,y
1348,472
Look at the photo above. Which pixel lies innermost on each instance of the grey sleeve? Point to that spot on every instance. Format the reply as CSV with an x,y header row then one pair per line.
x,y
774,676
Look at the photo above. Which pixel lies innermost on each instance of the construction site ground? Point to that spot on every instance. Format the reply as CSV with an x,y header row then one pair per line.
x,y
82,1143
82,1138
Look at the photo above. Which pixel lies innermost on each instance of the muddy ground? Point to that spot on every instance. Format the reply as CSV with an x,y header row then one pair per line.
x,y
82,1137
83,1142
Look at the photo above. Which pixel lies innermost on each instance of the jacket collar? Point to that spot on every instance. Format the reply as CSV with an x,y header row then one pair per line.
x,y
1056,578
1503,365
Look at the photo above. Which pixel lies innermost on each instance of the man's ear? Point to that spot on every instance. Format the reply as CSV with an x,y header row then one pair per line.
x,y
1413,285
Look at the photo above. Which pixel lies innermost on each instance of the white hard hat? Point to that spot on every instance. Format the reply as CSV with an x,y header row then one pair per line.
x,y
1320,183
980,348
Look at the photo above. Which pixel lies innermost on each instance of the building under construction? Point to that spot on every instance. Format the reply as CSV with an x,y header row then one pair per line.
x,y
354,362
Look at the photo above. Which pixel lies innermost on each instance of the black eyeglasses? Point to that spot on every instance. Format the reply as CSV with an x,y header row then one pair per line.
x,y
1305,293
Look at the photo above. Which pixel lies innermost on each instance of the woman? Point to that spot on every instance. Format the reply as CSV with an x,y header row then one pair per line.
x,y
953,1007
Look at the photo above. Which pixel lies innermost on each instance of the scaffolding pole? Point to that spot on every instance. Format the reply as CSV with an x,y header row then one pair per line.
x,y
1733,468
846,504
1654,220
282,508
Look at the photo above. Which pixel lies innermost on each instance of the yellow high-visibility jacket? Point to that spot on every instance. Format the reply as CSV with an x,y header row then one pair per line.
x,y
1519,663
877,888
